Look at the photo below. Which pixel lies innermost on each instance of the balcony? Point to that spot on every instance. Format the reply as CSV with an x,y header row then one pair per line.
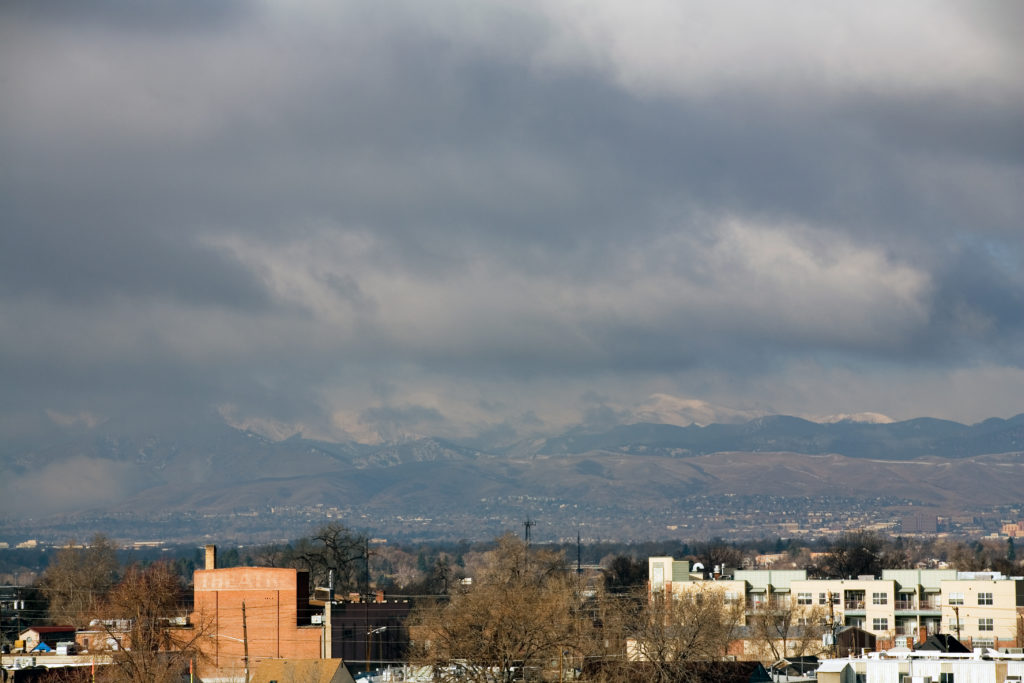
x,y
767,606
909,628
853,605
918,606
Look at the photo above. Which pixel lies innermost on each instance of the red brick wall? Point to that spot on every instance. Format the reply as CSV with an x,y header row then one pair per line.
x,y
276,615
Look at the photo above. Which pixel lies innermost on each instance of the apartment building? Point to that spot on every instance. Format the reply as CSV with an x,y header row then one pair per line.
x,y
986,609
983,609
902,606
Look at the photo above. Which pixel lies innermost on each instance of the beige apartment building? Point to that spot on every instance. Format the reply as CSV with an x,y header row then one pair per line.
x,y
902,606
983,609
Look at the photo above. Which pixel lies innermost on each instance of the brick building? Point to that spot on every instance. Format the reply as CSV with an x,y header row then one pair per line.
x,y
278,619
281,623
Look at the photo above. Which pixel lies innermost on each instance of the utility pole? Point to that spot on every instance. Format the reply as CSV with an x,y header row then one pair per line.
x,y
832,625
527,525
366,553
579,564
369,644
956,611
245,642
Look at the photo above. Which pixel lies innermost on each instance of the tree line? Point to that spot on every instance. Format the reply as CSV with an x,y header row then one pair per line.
x,y
482,608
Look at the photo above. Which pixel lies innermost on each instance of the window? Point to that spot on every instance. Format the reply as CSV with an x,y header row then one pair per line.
x,y
822,598
984,643
658,576
880,624
946,678
985,624
984,598
732,597
956,598
804,599
879,599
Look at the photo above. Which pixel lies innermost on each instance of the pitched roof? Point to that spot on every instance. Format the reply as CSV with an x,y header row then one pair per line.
x,y
50,629
943,642
302,670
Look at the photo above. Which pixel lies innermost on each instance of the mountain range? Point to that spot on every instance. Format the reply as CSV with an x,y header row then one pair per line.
x,y
623,475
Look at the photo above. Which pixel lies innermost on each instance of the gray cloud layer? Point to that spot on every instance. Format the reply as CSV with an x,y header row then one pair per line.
x,y
362,219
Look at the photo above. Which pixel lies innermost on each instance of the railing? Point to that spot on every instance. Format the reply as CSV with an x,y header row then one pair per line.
x,y
854,604
904,604
771,606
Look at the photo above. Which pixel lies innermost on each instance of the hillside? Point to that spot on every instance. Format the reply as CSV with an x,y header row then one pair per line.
x,y
639,478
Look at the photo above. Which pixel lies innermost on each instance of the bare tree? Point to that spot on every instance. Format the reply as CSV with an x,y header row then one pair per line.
x,y
624,574
521,613
397,565
717,553
336,548
679,636
78,579
790,630
139,615
854,554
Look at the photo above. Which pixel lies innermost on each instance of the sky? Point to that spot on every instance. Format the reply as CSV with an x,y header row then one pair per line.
x,y
499,219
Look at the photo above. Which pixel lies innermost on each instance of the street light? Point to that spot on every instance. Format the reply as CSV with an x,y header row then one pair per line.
x,y
369,644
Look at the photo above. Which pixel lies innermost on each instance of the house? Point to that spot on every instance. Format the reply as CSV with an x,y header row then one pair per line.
x,y
795,666
50,635
942,642
851,640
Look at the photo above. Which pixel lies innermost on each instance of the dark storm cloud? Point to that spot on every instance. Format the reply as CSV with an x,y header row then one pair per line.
x,y
125,15
355,218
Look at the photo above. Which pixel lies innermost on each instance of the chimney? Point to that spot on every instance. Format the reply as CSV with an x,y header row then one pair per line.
x,y
211,557
380,596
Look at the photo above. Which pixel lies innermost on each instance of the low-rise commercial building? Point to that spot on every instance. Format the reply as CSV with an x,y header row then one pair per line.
x,y
919,667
